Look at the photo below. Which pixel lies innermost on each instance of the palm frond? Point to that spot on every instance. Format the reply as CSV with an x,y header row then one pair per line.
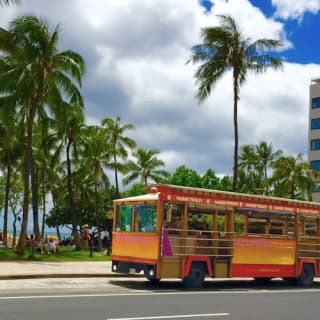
x,y
70,62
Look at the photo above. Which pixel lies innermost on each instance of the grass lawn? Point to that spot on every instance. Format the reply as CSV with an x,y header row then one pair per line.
x,y
64,254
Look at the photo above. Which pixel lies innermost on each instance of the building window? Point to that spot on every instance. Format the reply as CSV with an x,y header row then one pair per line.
x,y
315,165
315,144
315,103
315,124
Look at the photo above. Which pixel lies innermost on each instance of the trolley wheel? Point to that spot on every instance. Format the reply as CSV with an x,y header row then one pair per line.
x,y
262,280
196,276
306,277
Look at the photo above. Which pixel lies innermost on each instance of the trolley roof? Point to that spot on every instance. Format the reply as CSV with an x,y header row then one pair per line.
x,y
225,199
143,197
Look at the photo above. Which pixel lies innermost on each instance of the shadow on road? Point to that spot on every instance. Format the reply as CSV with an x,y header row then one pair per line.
x,y
210,285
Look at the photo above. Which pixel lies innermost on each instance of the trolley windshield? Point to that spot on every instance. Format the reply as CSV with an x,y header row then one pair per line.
x,y
136,217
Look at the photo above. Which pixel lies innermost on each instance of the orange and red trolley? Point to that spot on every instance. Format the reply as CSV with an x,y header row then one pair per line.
x,y
191,233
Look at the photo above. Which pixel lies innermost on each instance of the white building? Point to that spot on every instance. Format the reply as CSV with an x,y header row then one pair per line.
x,y
314,132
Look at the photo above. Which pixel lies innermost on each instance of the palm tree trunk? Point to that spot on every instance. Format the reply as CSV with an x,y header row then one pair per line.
x,y
6,205
71,199
35,198
32,169
43,210
235,125
292,191
266,179
14,225
25,213
116,174
58,233
97,218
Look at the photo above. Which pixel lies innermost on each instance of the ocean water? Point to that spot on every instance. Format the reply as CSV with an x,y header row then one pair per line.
x,y
64,232
48,232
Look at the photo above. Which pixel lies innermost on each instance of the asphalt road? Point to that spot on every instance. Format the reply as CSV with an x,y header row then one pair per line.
x,y
134,299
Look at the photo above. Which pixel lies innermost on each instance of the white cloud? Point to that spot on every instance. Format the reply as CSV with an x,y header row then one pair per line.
x,y
276,107
135,53
295,9
247,16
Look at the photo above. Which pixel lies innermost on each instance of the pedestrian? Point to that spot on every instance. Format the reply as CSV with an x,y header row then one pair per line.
x,y
85,236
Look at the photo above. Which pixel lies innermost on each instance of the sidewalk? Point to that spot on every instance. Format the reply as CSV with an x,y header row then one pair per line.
x,y
25,270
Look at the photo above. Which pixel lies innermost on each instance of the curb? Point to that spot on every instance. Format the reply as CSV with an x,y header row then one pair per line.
x,y
67,275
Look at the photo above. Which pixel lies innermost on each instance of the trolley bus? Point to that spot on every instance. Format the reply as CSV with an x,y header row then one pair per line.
x,y
192,233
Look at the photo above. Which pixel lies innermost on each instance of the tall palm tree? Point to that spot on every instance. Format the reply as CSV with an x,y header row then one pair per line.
x,y
292,177
118,143
96,157
146,167
43,76
43,149
69,126
225,48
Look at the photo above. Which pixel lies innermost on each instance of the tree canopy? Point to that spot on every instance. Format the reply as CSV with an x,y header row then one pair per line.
x,y
225,48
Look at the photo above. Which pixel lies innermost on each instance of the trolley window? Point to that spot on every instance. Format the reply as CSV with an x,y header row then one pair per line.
x,y
145,218
124,218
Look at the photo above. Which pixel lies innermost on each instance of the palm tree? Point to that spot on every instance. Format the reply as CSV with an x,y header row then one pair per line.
x,y
10,152
292,177
264,157
38,75
69,129
16,200
250,179
247,158
254,163
56,185
44,146
225,48
96,156
248,182
146,167
118,143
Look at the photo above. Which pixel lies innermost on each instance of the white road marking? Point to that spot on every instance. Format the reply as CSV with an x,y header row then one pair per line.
x,y
156,294
175,316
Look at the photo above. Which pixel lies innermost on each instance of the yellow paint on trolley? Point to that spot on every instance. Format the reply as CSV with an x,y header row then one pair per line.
x,y
254,250
138,245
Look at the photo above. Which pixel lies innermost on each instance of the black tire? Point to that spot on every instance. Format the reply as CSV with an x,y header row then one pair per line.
x,y
306,277
262,280
196,276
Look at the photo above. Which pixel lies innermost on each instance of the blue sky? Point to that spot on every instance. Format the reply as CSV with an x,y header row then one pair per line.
x,y
301,31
